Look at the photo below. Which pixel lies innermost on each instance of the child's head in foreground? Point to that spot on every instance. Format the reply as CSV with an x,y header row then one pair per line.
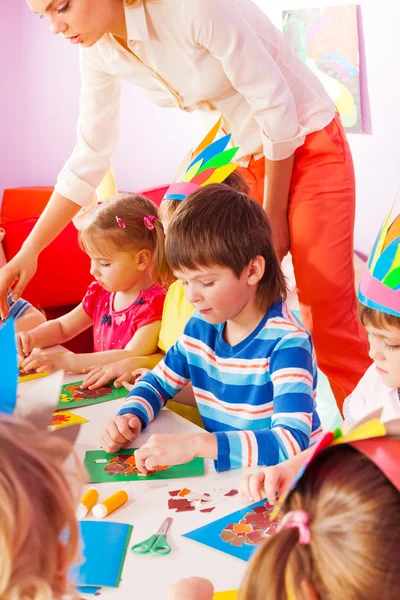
x,y
348,543
219,244
384,342
169,207
37,506
123,238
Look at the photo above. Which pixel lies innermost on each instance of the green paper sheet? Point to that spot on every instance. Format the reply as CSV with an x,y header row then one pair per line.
x,y
121,467
73,397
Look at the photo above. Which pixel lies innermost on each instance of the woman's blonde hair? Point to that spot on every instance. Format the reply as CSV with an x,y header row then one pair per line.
x,y
120,223
37,507
354,521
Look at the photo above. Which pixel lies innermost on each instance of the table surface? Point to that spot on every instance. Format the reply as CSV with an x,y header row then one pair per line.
x,y
148,506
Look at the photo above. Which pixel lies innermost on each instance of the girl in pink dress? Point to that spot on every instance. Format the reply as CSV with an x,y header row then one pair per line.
x,y
125,242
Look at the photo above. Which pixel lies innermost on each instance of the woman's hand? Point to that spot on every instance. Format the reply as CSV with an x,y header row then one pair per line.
x,y
20,269
280,232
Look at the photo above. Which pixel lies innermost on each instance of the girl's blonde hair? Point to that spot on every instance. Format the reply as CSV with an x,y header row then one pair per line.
x,y
354,521
120,223
37,507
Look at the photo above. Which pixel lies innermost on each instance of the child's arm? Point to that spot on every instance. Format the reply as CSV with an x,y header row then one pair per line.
x,y
265,483
29,320
145,338
291,372
157,387
56,331
193,588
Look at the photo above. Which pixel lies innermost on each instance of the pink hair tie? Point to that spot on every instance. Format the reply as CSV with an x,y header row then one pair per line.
x,y
120,222
149,221
297,519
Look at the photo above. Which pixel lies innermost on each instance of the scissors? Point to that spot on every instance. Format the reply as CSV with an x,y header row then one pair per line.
x,y
157,543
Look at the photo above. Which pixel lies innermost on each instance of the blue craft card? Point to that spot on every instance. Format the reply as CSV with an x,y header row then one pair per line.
x,y
88,590
210,534
104,548
9,368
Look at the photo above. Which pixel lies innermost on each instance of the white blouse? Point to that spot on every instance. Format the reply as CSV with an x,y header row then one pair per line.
x,y
216,56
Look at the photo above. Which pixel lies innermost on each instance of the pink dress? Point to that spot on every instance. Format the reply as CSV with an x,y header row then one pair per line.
x,y
113,329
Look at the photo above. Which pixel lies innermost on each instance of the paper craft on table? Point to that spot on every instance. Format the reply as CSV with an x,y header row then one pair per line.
x,y
89,590
73,397
104,549
64,418
239,533
185,500
103,467
29,375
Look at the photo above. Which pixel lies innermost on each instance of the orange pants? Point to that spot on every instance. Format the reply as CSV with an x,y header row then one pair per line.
x,y
321,214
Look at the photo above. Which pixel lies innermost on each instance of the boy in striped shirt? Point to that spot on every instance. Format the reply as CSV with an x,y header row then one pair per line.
x,y
250,361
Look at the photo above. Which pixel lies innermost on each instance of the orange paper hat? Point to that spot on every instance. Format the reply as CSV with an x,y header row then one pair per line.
x,y
209,163
380,282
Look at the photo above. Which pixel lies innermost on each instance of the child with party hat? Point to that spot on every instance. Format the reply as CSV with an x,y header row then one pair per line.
x,y
379,388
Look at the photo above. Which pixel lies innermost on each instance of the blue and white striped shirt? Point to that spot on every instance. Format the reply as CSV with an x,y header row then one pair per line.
x,y
258,396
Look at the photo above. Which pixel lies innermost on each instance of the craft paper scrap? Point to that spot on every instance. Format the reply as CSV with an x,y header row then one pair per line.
x,y
72,396
186,500
64,418
104,549
9,368
122,467
231,595
239,533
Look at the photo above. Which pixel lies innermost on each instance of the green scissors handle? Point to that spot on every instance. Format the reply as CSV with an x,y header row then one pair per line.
x,y
157,543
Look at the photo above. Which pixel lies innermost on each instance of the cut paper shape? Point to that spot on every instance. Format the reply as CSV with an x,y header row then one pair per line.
x,y
104,549
73,397
231,595
122,467
64,418
29,375
239,533
327,40
186,499
88,589
9,368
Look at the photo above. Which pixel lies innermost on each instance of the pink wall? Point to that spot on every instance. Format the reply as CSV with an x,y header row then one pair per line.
x,y
40,108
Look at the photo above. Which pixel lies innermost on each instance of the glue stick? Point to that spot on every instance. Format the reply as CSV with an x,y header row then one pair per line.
x,y
86,504
109,504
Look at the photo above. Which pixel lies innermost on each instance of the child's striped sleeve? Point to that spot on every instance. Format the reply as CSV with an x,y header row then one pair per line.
x,y
294,380
151,392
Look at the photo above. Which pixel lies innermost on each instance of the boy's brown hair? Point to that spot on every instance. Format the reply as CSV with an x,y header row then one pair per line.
x,y
376,318
354,516
217,225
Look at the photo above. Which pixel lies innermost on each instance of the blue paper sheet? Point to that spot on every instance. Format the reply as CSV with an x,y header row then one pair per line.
x,y
104,548
9,368
210,534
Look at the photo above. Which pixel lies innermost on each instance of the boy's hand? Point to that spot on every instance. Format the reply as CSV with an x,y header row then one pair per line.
x,y
46,361
194,588
120,432
129,382
25,343
162,450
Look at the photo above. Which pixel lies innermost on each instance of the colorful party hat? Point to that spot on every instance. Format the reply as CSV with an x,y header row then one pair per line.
x,y
209,163
380,281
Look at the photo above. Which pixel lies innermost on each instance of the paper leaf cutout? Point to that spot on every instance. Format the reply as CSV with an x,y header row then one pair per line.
x,y
208,139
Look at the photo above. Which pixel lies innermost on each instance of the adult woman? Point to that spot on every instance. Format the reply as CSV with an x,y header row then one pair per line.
x,y
221,57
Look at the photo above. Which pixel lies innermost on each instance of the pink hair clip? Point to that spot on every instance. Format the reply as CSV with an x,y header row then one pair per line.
x,y
149,221
120,222
297,519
